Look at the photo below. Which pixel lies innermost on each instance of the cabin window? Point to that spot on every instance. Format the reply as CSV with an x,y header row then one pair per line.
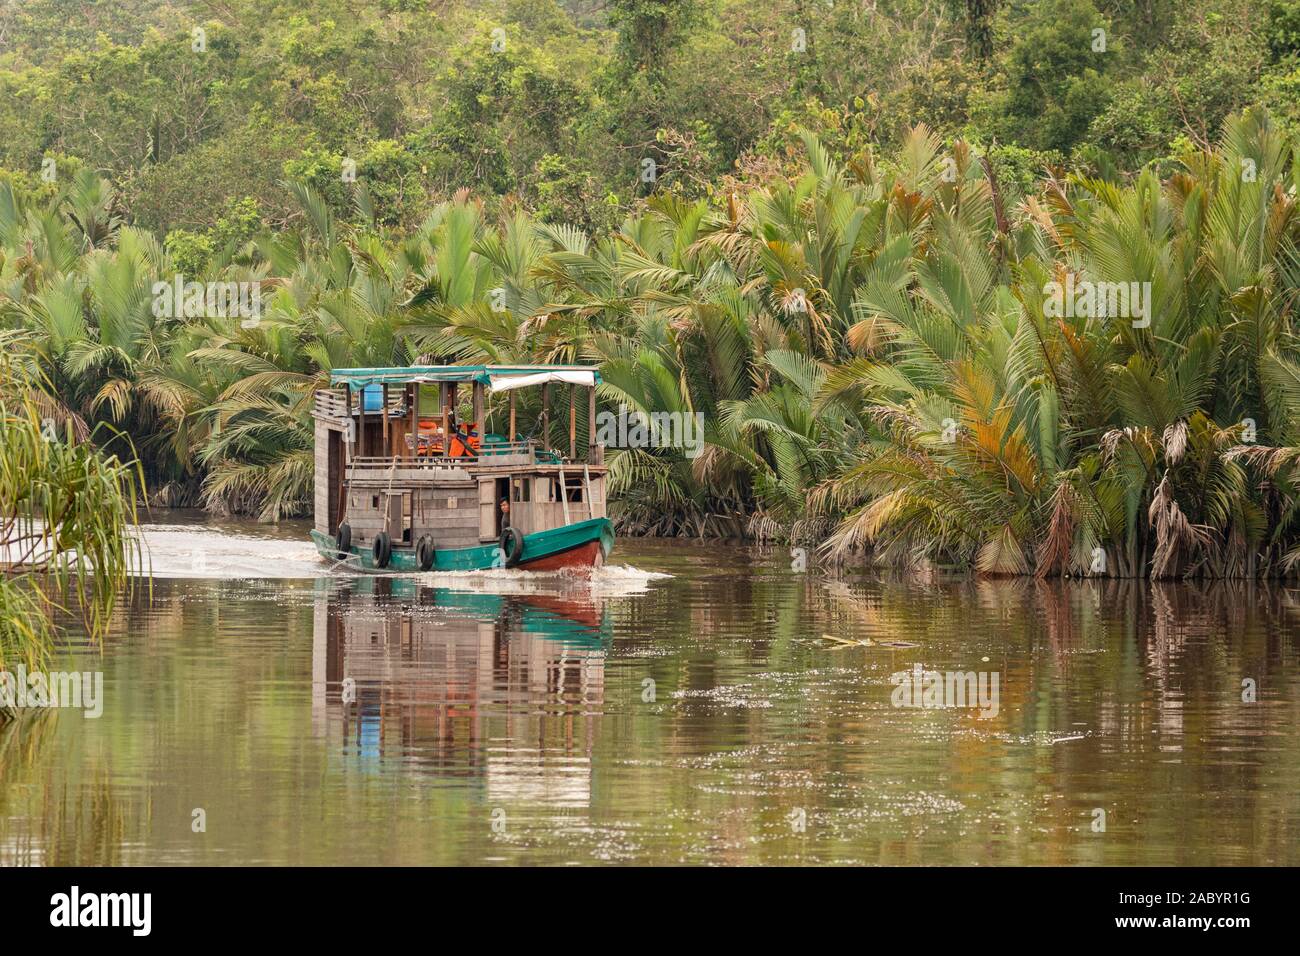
x,y
523,489
573,489
374,502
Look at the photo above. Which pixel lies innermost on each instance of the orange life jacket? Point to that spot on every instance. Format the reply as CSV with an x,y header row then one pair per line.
x,y
459,448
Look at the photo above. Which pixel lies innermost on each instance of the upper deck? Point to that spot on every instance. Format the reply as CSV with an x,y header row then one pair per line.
x,y
392,416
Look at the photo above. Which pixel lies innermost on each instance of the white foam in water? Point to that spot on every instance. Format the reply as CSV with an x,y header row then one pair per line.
x,y
197,551
614,580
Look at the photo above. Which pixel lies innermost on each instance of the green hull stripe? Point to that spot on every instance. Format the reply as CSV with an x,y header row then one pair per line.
x,y
540,544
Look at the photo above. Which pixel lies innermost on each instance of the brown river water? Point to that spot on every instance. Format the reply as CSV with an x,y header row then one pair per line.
x,y
696,703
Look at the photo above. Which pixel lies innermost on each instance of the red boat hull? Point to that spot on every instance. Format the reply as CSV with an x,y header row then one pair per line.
x,y
586,556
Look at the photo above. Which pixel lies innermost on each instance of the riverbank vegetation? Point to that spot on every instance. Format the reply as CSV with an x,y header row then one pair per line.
x,y
67,512
1011,296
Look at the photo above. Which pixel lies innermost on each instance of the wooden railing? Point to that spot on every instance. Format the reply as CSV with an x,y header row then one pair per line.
x,y
490,450
403,470
331,403
372,463
512,454
495,453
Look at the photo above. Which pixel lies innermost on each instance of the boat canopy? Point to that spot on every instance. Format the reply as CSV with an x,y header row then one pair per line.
x,y
503,383
498,378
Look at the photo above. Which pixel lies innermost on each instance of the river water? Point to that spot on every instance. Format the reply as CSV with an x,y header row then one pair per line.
x,y
695,703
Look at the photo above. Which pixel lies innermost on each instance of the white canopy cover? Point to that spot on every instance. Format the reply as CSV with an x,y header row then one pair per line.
x,y
503,383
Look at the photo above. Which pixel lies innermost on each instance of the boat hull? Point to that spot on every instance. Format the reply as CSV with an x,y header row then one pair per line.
x,y
581,546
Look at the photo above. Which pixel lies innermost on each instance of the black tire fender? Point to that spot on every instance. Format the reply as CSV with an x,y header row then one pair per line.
x,y
424,552
512,545
381,549
344,540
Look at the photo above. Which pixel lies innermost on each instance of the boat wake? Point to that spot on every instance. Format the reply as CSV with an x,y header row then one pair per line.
x,y
214,553
198,551
614,580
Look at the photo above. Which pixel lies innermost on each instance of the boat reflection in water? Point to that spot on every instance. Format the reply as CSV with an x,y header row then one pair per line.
x,y
501,692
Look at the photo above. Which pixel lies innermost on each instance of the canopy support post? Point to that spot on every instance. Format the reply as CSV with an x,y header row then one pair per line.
x,y
546,417
478,422
446,424
361,421
573,423
513,433
593,449
413,418
453,400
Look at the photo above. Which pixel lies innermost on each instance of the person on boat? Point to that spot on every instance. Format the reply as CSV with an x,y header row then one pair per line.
x,y
505,513
464,444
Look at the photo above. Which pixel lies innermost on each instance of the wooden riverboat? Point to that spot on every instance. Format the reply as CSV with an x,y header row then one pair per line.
x,y
406,479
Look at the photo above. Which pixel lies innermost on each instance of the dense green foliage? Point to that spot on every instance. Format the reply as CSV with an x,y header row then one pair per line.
x,y
557,106
840,259
66,516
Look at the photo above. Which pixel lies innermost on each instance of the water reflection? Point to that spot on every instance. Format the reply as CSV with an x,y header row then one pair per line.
x,y
705,718
505,691
85,827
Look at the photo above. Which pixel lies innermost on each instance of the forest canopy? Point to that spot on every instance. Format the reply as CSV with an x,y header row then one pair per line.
x,y
199,112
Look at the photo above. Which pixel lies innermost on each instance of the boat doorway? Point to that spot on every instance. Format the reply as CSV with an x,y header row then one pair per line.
x,y
398,517
336,467
502,493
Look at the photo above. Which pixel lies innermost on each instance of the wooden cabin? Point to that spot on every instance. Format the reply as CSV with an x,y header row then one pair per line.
x,y
435,450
